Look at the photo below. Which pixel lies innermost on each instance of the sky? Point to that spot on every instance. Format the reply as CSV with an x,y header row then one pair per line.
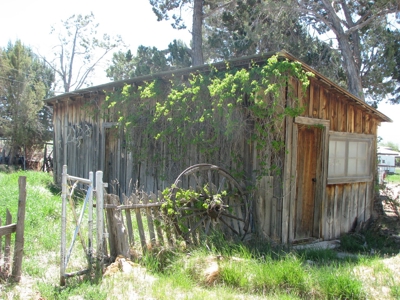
x,y
31,21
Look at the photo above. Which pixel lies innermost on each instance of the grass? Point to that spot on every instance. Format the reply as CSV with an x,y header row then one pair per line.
x,y
394,178
216,269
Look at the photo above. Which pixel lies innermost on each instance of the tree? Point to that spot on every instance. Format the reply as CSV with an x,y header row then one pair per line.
x,y
358,28
80,50
163,9
249,27
25,81
148,60
356,38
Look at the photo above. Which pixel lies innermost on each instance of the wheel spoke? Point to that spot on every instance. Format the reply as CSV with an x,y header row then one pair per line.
x,y
232,216
207,227
197,224
206,181
221,184
229,226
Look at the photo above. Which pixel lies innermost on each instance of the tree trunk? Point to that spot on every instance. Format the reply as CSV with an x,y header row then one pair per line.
x,y
350,66
197,38
349,62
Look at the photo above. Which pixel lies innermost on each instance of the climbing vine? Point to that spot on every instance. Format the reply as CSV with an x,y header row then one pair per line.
x,y
212,113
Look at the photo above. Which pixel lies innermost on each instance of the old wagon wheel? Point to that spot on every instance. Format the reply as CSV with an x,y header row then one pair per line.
x,y
205,197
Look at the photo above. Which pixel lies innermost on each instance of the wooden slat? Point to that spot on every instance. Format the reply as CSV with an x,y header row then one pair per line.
x,y
7,246
19,233
149,217
350,118
353,206
140,224
118,237
344,223
361,203
287,175
158,219
315,95
358,120
342,115
128,218
7,229
333,113
338,190
293,197
323,107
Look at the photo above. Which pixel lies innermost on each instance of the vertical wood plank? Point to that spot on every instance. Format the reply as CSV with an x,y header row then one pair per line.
x,y
353,206
19,234
118,236
358,120
338,210
361,203
293,198
350,118
140,224
128,218
287,175
315,96
345,209
7,246
149,217
333,111
157,218
329,213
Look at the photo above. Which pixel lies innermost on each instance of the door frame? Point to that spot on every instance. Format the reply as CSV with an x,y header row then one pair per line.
x,y
321,187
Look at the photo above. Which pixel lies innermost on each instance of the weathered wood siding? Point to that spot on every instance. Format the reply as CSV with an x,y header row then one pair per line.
x,y
344,205
86,141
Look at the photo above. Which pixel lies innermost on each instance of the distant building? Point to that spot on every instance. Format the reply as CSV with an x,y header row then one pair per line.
x,y
387,159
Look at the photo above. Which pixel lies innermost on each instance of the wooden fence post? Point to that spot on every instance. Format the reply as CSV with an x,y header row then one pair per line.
x,y
7,245
19,236
118,236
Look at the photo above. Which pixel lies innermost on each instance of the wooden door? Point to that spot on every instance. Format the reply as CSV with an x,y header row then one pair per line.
x,y
309,177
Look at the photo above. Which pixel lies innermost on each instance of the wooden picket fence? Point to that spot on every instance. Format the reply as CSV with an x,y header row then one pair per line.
x,y
140,227
18,229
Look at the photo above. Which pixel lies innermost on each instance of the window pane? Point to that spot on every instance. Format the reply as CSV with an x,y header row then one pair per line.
x,y
353,149
336,167
362,149
349,157
352,167
362,168
341,149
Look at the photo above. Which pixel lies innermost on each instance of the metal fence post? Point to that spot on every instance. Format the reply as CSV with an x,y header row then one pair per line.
x,y
63,224
100,219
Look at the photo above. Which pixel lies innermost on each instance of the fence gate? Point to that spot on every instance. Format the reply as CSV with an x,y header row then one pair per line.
x,y
69,184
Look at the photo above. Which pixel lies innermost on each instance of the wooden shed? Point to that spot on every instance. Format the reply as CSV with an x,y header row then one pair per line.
x,y
311,178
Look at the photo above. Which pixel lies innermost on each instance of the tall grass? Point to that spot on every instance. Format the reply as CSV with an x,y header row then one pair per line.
x,y
43,209
216,269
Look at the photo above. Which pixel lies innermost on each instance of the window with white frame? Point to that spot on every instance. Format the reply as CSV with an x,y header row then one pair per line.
x,y
349,157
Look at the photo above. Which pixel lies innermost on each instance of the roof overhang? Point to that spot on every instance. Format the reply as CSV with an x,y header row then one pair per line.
x,y
236,62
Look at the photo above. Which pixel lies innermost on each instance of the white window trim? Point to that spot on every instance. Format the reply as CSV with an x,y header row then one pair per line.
x,y
347,137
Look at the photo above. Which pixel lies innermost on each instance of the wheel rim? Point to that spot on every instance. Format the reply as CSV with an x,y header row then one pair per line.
x,y
206,198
